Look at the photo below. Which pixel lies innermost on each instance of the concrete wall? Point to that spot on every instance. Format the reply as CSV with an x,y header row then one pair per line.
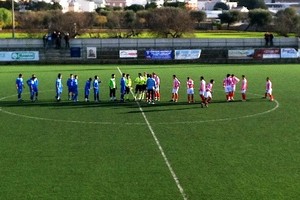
x,y
213,50
155,43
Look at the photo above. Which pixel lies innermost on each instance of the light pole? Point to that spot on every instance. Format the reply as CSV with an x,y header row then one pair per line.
x,y
13,17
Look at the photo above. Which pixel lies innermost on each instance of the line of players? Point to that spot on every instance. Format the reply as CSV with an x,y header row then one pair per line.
x,y
205,89
147,85
32,84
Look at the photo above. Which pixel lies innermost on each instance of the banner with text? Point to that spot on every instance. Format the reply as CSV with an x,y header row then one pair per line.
x,y
241,54
159,54
266,53
128,54
19,56
289,53
187,54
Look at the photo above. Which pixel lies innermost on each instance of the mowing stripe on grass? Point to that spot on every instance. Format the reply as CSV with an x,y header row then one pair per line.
x,y
160,149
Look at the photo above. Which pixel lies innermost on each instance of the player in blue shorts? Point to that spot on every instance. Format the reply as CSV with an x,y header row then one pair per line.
x,y
87,88
20,86
96,87
75,88
35,87
70,83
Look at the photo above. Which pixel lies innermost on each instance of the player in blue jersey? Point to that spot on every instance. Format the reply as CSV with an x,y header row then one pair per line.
x,y
70,83
123,87
20,86
59,87
75,88
96,87
151,88
34,87
87,88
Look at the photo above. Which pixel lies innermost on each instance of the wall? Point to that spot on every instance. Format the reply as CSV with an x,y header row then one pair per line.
x,y
214,50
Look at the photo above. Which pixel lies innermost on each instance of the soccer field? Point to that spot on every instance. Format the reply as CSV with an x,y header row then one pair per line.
x,y
136,151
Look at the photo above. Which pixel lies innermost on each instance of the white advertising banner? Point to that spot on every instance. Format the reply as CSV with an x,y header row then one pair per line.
x,y
91,52
128,54
241,54
187,54
19,56
289,53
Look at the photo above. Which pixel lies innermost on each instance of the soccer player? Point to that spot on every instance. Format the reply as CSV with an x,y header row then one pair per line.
x,y
235,80
150,84
20,86
87,89
59,87
75,89
202,89
112,88
227,85
96,87
144,85
138,87
176,85
128,86
157,86
34,88
70,83
208,93
122,87
190,90
244,87
269,89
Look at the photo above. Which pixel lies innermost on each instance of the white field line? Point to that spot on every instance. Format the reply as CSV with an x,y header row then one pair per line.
x,y
180,188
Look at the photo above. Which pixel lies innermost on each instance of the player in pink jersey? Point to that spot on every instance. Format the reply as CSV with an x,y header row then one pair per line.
x,y
244,87
202,89
227,85
269,89
208,93
190,90
157,81
176,85
235,80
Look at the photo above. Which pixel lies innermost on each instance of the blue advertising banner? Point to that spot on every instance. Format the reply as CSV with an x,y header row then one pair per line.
x,y
158,54
289,53
187,54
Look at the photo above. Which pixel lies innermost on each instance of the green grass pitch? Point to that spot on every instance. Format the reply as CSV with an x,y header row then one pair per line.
x,y
167,151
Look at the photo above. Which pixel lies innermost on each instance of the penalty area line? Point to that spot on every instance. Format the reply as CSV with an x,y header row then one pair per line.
x,y
162,152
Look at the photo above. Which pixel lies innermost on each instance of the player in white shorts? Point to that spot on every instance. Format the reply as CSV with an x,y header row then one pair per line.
x,y
202,89
175,89
244,87
190,90
208,93
235,80
227,85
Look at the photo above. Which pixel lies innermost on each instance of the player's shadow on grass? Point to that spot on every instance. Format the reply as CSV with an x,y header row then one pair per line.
x,y
116,104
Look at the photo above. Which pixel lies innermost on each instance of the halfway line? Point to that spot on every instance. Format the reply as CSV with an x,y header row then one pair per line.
x,y
160,149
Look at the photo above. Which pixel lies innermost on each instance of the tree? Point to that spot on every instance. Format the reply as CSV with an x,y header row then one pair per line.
x,y
259,18
176,4
229,17
170,21
286,21
151,5
7,4
5,17
198,16
135,7
252,4
220,6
